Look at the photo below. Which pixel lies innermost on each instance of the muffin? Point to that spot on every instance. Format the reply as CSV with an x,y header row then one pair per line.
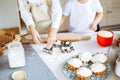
x,y
98,68
99,58
85,57
83,73
74,63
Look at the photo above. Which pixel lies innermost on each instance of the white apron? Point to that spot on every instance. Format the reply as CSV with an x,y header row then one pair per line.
x,y
41,15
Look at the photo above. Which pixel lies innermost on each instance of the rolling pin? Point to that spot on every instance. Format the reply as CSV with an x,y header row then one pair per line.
x,y
62,38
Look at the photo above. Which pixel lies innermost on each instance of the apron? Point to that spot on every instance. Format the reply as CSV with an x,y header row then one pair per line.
x,y
41,15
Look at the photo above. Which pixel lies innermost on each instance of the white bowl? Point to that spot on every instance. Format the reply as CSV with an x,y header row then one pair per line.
x,y
19,75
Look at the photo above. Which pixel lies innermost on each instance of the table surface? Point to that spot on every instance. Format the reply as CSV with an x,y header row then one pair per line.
x,y
35,68
55,61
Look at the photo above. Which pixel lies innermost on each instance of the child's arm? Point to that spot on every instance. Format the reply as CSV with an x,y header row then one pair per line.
x,y
98,17
96,21
63,19
66,11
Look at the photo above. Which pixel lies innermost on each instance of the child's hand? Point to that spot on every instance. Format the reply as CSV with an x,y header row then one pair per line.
x,y
51,40
35,35
51,37
93,26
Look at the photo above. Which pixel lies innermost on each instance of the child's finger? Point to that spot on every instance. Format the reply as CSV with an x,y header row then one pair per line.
x,y
92,27
95,28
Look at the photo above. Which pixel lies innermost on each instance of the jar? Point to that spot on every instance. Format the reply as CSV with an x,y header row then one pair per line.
x,y
16,56
117,67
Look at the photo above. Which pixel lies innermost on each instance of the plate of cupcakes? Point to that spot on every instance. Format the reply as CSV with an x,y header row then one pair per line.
x,y
86,66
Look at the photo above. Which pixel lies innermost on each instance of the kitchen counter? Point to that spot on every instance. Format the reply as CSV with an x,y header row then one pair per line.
x,y
35,68
55,62
42,66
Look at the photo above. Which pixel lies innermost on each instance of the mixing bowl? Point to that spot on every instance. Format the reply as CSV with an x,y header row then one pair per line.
x,y
105,37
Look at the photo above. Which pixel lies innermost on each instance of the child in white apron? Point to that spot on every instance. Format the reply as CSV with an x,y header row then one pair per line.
x,y
41,16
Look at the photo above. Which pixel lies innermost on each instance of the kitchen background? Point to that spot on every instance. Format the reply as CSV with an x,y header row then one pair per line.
x,y
9,15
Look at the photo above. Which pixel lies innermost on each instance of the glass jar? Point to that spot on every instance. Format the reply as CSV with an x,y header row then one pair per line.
x,y
16,55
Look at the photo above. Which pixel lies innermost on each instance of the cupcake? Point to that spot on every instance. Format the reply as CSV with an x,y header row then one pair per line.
x,y
83,73
99,58
74,63
85,57
98,68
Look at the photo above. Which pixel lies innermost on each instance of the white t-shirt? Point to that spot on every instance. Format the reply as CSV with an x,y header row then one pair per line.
x,y
81,15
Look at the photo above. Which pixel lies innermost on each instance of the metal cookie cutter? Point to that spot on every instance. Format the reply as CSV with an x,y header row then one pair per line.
x,y
66,47
63,49
66,44
72,48
49,51
57,43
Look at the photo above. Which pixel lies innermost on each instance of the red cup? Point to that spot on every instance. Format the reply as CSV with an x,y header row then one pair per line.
x,y
105,38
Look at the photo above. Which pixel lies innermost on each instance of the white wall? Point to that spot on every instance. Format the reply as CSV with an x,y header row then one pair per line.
x,y
9,14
